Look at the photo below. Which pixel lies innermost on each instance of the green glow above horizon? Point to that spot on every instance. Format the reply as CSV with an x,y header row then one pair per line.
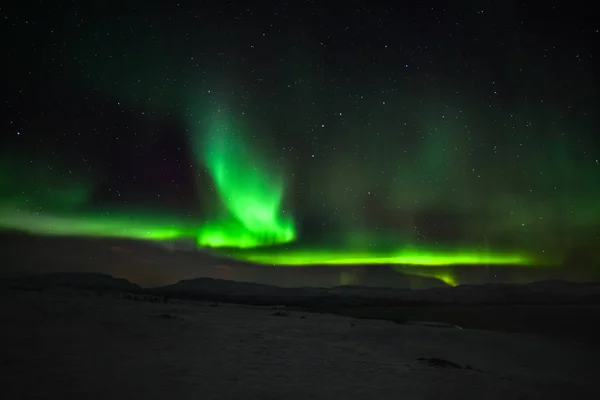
x,y
250,193
444,275
250,225
413,256
434,263
437,262
102,225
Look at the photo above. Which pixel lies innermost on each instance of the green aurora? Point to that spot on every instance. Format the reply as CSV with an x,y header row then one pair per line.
x,y
251,197
251,224
293,142
415,256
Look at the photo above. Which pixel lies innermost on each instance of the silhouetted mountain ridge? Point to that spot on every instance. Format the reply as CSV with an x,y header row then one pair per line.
x,y
91,281
544,292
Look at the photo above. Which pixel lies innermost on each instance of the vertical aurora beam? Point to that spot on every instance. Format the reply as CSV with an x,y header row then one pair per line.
x,y
250,193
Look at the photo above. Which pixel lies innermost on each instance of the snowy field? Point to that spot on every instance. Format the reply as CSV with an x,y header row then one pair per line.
x,y
64,345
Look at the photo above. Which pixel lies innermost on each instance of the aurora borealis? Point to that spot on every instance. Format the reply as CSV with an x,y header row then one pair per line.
x,y
299,135
249,194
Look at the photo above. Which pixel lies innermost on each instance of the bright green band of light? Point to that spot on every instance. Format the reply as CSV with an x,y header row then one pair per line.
x,y
430,258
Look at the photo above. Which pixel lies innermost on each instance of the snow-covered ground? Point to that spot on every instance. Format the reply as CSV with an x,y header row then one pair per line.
x,y
65,345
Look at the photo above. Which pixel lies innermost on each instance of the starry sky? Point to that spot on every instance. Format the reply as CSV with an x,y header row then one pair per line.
x,y
304,132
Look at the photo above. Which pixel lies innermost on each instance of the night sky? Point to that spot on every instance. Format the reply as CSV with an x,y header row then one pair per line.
x,y
304,132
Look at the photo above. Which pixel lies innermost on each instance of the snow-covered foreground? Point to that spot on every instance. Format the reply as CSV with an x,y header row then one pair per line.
x,y
65,345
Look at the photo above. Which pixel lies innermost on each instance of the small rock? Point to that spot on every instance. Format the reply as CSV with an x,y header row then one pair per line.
x,y
440,362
